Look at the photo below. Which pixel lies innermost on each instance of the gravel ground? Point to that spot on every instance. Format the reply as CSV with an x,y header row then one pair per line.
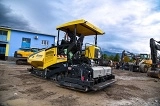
x,y
19,88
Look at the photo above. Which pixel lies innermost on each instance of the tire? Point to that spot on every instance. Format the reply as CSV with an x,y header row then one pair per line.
x,y
19,62
145,69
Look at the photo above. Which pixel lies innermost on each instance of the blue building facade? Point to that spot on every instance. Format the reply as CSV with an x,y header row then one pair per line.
x,y
13,39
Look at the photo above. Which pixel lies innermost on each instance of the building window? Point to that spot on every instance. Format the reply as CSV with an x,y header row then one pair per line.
x,y
45,42
3,35
26,42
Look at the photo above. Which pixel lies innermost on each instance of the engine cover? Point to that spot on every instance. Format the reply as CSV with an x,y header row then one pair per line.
x,y
99,71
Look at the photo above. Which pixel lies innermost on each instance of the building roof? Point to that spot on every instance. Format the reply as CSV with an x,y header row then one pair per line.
x,y
5,27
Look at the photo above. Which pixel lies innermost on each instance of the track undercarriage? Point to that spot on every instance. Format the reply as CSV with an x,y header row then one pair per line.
x,y
79,77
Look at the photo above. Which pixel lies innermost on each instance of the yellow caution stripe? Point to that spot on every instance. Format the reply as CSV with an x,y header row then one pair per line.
x,y
62,56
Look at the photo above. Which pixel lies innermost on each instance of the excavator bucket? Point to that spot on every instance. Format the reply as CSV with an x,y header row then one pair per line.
x,y
154,74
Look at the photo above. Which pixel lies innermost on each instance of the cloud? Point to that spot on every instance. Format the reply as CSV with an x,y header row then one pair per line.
x,y
7,18
128,24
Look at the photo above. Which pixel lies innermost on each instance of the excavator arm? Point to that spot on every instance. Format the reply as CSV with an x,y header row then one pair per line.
x,y
154,47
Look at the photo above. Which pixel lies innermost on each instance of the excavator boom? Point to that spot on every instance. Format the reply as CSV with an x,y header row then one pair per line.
x,y
155,70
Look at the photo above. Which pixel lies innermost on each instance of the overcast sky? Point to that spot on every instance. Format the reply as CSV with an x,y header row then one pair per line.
x,y
128,24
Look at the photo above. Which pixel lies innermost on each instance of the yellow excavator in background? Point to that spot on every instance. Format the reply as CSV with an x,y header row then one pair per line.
x,y
22,54
69,64
127,59
155,69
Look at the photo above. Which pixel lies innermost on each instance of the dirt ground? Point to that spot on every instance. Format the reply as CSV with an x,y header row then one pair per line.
x,y
19,88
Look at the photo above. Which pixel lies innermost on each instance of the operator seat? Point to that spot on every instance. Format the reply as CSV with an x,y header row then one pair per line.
x,y
78,45
64,45
77,50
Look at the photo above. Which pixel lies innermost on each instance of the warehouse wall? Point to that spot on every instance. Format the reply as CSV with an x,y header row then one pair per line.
x,y
36,40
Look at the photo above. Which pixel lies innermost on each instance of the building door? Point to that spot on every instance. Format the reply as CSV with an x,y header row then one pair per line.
x,y
26,42
2,51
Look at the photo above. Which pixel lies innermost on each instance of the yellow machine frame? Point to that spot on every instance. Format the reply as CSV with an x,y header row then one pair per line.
x,y
48,57
66,62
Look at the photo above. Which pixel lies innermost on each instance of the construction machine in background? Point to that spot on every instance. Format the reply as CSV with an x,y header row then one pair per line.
x,y
70,65
127,59
155,69
135,62
144,62
22,54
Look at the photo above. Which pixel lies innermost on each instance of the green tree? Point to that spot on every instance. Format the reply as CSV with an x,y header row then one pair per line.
x,y
116,57
111,57
104,56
